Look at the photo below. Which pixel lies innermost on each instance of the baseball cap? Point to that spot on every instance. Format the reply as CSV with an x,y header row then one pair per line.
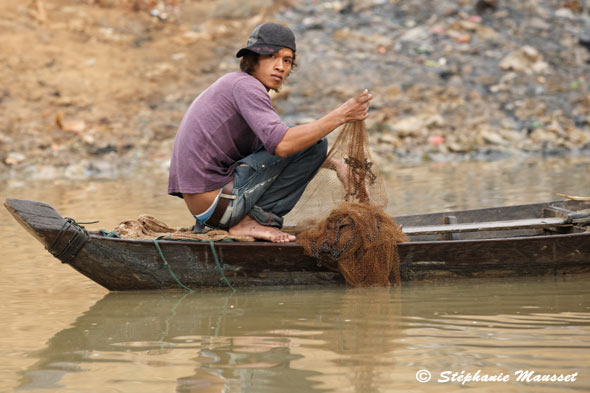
x,y
268,38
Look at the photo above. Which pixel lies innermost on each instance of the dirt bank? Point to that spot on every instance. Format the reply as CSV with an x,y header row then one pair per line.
x,y
93,88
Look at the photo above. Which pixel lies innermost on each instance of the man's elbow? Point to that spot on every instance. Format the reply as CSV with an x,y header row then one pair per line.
x,y
282,150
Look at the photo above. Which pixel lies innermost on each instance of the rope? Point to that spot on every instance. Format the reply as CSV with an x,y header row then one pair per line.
x,y
169,268
212,244
172,315
113,234
77,241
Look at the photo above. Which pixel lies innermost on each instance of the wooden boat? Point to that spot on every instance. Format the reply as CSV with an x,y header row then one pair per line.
x,y
535,239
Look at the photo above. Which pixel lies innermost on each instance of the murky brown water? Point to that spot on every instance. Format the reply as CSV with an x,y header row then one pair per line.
x,y
64,333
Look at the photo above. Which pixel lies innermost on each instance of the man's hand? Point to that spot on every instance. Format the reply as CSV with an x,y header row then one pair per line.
x,y
356,108
301,137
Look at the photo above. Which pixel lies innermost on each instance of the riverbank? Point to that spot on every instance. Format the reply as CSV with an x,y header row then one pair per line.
x,y
95,88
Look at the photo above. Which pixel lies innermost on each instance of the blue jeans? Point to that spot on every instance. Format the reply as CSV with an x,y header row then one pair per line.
x,y
266,187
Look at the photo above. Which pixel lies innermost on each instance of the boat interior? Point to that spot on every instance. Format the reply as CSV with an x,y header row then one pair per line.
x,y
559,217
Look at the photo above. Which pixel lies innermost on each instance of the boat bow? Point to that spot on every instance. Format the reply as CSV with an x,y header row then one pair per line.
x,y
62,237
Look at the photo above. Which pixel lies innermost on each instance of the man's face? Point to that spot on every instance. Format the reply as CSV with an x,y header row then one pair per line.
x,y
272,70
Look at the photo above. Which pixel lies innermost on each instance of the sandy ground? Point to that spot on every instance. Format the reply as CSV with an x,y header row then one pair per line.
x,y
92,88
96,78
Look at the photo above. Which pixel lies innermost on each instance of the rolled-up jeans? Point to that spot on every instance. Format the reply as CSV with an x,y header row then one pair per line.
x,y
266,187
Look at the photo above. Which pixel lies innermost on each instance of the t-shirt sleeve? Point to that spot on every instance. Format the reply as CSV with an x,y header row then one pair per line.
x,y
255,106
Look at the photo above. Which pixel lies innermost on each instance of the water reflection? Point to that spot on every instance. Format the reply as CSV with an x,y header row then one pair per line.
x,y
214,341
292,340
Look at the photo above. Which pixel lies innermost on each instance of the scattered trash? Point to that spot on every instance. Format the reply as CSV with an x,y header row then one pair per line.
x,y
436,140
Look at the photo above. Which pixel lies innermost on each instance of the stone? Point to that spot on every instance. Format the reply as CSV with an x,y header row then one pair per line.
x,y
565,13
512,136
435,121
409,126
14,158
526,59
415,34
541,135
390,139
578,137
492,138
555,127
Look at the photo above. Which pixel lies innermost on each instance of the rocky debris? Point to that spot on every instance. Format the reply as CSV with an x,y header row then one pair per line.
x,y
97,86
482,6
526,59
455,80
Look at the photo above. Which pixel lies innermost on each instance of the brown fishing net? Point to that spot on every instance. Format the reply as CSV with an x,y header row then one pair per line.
x,y
148,227
356,238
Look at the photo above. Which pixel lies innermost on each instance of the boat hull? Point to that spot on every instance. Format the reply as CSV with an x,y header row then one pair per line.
x,y
130,264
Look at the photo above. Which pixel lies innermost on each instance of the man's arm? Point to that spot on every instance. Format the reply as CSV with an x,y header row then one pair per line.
x,y
301,137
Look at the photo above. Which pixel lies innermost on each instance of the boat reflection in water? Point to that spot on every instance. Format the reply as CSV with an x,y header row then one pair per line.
x,y
318,339
214,341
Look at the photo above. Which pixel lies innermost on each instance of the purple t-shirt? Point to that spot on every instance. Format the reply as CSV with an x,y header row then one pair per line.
x,y
230,120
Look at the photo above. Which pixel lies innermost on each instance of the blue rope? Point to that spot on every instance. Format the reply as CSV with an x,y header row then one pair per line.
x,y
212,244
169,268
106,233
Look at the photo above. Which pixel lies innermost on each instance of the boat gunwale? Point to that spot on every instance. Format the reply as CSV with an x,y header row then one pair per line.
x,y
97,236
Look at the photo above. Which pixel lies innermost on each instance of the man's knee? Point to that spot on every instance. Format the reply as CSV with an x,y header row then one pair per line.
x,y
322,147
318,151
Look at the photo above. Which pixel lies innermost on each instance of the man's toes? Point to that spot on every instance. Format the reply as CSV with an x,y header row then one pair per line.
x,y
282,237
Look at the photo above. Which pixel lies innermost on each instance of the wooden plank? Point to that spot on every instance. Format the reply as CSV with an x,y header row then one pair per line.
x,y
515,212
451,220
486,226
579,217
38,218
556,211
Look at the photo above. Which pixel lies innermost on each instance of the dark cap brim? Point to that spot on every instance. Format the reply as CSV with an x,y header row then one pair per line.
x,y
261,49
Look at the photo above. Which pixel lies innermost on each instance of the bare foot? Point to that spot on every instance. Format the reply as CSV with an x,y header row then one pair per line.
x,y
250,227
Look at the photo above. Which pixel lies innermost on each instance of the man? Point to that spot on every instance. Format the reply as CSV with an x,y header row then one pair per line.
x,y
237,166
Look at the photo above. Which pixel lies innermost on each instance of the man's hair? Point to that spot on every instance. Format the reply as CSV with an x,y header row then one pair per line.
x,y
250,60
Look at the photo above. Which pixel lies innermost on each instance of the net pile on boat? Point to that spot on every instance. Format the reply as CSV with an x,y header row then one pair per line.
x,y
357,237
149,227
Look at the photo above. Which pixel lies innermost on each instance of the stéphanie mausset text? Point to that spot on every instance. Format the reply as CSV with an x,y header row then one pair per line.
x,y
525,376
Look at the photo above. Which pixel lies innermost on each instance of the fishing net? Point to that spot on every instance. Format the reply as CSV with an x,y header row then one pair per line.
x,y
149,227
356,238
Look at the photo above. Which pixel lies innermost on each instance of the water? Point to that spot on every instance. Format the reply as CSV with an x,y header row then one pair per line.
x,y
64,333
294,340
